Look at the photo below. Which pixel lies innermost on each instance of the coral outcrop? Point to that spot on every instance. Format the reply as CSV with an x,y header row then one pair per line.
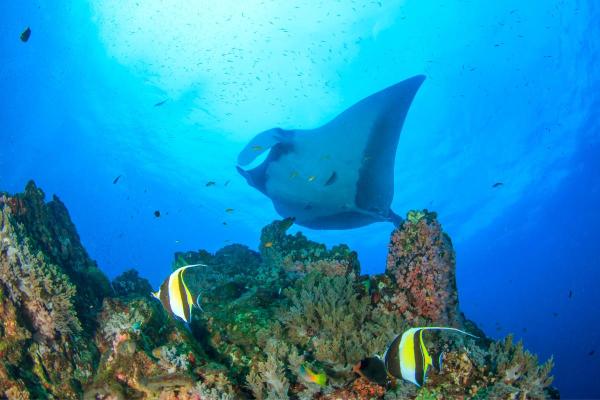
x,y
422,263
44,325
295,253
268,317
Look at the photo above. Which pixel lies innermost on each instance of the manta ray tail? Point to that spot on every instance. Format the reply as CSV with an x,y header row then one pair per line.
x,y
395,218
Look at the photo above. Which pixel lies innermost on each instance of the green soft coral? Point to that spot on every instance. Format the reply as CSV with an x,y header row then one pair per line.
x,y
518,370
329,317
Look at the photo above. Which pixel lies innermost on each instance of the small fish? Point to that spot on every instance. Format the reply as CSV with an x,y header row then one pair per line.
x,y
311,178
224,223
570,294
25,35
210,183
257,148
157,213
331,179
175,295
310,376
555,314
116,180
497,184
269,244
408,358
294,174
226,183
591,353
160,103
229,210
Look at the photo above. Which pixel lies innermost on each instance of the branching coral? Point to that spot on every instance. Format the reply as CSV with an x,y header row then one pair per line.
x,y
38,302
48,229
202,391
267,380
40,287
171,358
518,370
327,316
421,260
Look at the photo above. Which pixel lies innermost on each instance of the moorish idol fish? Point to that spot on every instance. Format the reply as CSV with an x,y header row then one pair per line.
x,y
175,295
406,358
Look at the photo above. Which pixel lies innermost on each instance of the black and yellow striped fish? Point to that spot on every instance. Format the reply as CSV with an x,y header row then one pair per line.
x,y
175,295
408,358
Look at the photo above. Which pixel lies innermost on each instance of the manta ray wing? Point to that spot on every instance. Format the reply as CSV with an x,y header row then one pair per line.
x,y
358,148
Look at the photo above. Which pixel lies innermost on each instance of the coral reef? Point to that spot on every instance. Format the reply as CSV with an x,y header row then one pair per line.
x,y
46,351
268,316
48,229
143,352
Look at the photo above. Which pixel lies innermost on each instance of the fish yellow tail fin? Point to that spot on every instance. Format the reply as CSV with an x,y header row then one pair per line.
x,y
321,379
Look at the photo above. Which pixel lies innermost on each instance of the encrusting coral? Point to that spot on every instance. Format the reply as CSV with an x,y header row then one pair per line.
x,y
422,262
268,317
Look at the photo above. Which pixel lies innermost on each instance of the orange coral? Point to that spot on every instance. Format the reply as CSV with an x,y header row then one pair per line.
x,y
361,389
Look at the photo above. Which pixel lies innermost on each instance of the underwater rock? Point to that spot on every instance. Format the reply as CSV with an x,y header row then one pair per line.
x,y
131,284
48,229
268,318
143,352
44,340
421,260
295,253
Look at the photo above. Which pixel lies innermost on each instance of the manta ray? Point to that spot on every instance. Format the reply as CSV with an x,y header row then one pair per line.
x,y
340,175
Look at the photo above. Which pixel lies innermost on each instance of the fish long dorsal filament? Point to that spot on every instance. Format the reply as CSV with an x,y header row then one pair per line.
x,y
407,356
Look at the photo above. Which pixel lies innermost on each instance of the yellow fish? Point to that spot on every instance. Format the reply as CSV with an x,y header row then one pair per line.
x,y
229,210
408,358
310,376
294,174
175,295
257,148
268,244
311,178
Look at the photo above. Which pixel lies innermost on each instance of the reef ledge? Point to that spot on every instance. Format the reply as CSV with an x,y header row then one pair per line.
x,y
66,332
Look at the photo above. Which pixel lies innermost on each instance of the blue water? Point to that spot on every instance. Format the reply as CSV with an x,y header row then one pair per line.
x,y
512,95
